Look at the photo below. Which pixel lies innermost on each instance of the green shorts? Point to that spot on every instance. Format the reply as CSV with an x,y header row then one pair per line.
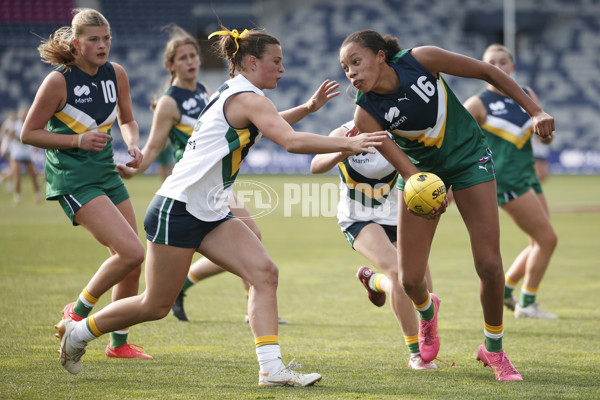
x,y
519,188
166,157
71,203
479,171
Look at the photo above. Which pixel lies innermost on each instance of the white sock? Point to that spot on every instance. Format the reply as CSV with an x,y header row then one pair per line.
x,y
81,335
269,358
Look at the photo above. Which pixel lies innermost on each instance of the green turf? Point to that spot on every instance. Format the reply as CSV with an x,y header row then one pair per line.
x,y
335,331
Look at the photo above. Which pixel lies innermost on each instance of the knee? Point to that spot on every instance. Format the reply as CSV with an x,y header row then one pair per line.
x,y
489,269
265,276
550,241
134,256
410,284
155,310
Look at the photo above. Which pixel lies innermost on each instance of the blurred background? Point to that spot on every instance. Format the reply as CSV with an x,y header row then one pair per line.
x,y
556,44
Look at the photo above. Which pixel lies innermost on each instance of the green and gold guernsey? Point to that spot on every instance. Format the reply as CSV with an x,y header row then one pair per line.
x,y
213,156
426,120
91,106
508,129
190,104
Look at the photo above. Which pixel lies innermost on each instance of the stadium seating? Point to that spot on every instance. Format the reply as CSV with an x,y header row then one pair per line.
x,y
557,53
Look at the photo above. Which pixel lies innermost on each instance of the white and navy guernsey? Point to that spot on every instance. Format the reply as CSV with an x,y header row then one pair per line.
x,y
91,106
190,104
213,156
367,189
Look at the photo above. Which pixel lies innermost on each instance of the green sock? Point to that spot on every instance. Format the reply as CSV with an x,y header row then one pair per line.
x,y
81,309
413,348
118,339
526,299
427,313
493,345
508,290
187,284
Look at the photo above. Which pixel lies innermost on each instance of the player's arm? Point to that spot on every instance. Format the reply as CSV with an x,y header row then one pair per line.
x,y
438,60
248,108
165,116
51,97
365,122
325,93
128,125
544,140
475,106
322,163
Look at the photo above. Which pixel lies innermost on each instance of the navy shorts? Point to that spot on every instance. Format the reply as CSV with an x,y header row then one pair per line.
x,y
168,222
353,230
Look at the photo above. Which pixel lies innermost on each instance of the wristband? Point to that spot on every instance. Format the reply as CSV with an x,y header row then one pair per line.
x,y
79,137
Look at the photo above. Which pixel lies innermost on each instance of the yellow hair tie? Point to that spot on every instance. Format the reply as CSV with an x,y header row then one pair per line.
x,y
234,33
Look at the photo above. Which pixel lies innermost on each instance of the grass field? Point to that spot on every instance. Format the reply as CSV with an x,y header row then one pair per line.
x,y
335,331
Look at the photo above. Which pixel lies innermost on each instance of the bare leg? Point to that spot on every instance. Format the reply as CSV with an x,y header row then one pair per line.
x,y
166,269
374,245
109,227
479,209
529,212
258,269
415,235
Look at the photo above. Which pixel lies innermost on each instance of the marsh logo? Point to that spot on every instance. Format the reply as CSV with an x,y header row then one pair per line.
x,y
391,114
81,90
498,108
258,198
189,104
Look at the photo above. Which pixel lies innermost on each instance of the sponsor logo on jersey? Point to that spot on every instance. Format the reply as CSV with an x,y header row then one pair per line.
x,y
392,113
189,103
82,91
403,98
498,108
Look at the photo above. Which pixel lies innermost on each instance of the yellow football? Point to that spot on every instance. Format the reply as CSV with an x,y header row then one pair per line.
x,y
424,191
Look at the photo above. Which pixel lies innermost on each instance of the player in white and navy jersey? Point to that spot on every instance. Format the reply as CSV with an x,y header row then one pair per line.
x,y
367,215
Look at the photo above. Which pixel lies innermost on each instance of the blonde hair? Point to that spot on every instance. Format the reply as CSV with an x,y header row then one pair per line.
x,y
252,42
58,49
498,47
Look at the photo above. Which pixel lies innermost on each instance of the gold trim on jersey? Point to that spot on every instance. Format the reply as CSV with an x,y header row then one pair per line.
x,y
431,136
517,135
365,188
236,155
79,122
186,125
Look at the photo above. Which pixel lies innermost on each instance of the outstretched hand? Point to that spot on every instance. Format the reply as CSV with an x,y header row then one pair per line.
x,y
543,125
325,93
364,142
136,153
126,172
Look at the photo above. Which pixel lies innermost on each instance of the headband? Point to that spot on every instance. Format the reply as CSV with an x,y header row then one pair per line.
x,y
234,33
